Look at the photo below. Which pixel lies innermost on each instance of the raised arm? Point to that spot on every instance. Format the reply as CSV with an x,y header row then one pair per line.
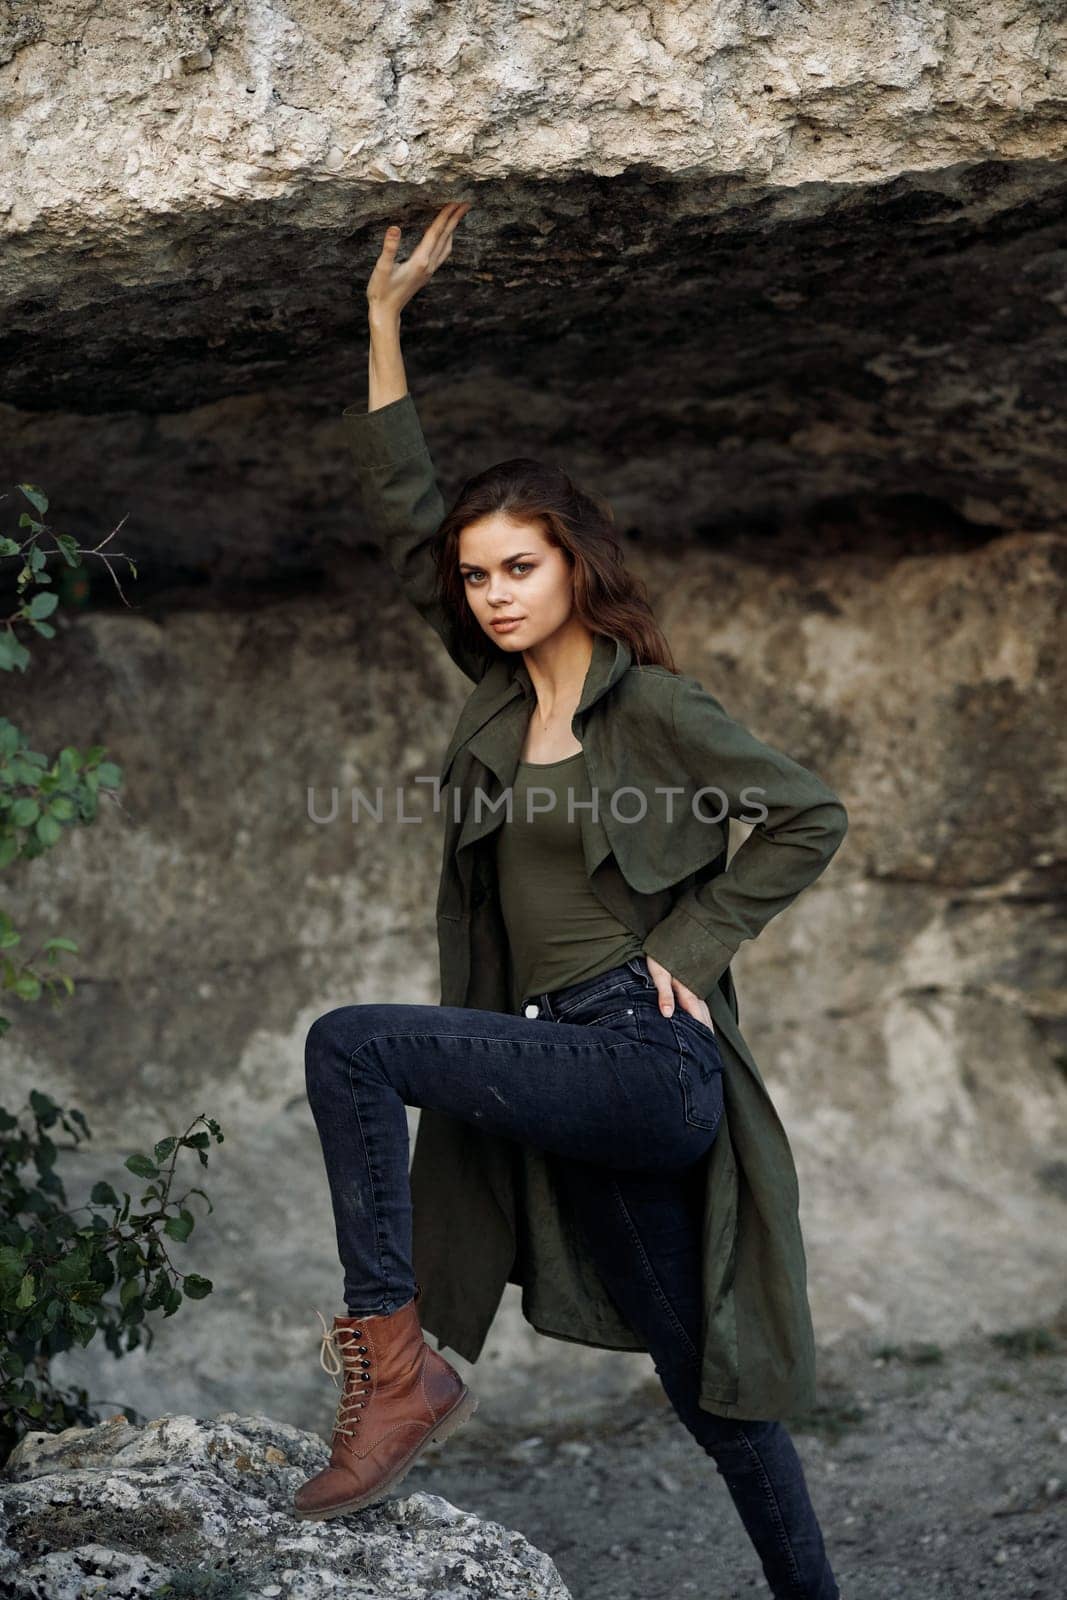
x,y
393,464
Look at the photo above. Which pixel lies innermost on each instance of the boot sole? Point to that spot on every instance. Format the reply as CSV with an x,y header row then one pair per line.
x,y
461,1412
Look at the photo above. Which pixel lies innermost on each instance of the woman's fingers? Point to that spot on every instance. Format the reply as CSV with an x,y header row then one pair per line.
x,y
435,230
693,1004
435,244
664,984
667,988
393,283
438,236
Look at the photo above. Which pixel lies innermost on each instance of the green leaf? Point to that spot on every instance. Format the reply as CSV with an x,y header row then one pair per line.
x,y
195,1286
42,605
58,942
159,1291
43,1107
62,807
45,629
9,547
27,1292
69,547
179,1227
36,496
24,812
129,1291
12,653
27,987
163,1148
109,774
142,1166
48,829
102,1194
12,1263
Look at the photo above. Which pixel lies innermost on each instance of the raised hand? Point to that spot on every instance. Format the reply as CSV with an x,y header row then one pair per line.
x,y
393,283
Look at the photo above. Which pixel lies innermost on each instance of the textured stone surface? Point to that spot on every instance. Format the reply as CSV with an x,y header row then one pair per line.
x,y
108,101
759,271
117,1511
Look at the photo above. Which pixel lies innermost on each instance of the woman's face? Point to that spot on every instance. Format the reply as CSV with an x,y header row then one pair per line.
x,y
509,569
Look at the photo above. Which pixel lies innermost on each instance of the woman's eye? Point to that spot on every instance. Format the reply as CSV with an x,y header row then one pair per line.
x,y
515,565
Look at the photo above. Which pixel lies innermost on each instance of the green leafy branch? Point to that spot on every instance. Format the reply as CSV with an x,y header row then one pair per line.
x,y
37,803
54,1274
34,610
38,800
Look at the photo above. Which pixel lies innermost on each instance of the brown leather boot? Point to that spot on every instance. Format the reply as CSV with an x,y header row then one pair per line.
x,y
398,1394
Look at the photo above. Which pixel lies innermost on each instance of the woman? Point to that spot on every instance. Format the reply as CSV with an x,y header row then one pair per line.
x,y
602,1080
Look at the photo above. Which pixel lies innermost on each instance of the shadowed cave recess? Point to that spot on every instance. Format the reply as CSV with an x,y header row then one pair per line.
x,y
835,367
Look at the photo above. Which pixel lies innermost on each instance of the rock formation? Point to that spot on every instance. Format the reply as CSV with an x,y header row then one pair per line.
x,y
185,1497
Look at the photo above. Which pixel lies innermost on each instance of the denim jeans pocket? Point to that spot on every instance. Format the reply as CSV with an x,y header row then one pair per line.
x,y
700,1070
695,1058
617,1010
702,1096
707,1040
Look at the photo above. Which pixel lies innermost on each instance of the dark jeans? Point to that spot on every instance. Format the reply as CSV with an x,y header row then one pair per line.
x,y
628,1101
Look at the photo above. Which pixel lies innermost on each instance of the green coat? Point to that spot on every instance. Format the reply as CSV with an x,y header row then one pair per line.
x,y
487,1209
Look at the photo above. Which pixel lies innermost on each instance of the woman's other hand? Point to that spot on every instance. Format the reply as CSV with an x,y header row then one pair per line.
x,y
393,283
667,987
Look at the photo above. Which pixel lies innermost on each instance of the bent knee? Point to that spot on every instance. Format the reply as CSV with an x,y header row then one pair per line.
x,y
336,1034
331,1037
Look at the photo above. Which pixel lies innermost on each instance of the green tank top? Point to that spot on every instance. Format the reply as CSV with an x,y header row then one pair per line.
x,y
558,930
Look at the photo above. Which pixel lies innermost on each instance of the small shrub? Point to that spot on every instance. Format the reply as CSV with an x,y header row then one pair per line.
x,y
54,1274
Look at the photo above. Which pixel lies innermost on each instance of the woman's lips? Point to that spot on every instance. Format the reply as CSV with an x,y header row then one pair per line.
x,y
506,624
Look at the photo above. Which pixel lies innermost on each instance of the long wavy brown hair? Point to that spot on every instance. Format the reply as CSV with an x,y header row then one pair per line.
x,y
608,597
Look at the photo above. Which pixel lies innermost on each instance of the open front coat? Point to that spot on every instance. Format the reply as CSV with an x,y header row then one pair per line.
x,y
487,1210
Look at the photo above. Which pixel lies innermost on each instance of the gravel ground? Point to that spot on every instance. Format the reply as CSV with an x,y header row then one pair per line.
x,y
937,1475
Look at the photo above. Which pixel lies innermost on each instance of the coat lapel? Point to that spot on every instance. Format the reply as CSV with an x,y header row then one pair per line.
x,y
492,733
493,693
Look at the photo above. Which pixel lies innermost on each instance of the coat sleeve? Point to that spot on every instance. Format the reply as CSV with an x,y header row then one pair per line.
x,y
405,509
788,847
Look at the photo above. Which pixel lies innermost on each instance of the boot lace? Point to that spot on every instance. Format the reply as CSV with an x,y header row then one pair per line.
x,y
348,1357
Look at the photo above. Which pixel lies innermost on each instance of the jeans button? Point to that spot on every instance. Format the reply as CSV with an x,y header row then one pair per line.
x,y
532,1011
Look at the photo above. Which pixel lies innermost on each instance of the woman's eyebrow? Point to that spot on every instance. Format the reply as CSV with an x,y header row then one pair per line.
x,y
505,563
